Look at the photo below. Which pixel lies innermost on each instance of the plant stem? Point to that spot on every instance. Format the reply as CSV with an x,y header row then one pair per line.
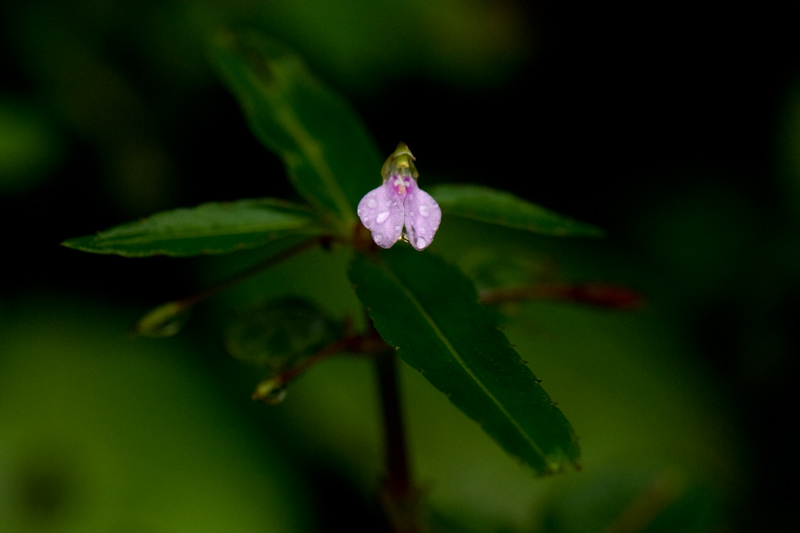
x,y
399,496
164,320
398,478
248,272
592,293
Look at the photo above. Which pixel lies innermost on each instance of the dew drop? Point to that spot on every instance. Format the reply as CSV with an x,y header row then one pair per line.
x,y
421,243
377,237
382,216
424,211
371,203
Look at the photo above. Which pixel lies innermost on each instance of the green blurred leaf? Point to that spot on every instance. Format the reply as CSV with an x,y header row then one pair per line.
x,y
280,335
212,228
30,146
331,159
504,209
276,333
429,310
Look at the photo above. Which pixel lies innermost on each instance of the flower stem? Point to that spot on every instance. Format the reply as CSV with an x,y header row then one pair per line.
x,y
398,496
593,293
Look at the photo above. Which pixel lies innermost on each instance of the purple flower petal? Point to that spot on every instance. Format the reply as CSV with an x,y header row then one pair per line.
x,y
422,217
381,212
399,203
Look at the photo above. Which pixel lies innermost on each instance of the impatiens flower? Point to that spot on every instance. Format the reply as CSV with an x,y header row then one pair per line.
x,y
400,204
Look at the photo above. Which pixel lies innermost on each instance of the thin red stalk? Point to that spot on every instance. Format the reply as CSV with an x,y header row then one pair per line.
x,y
244,274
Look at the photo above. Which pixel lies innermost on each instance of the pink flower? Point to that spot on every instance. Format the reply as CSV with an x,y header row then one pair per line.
x,y
400,204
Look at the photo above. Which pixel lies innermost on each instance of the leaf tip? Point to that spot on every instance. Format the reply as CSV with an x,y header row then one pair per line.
x,y
74,243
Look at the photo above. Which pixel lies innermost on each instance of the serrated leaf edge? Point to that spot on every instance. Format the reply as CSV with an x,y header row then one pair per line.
x,y
536,448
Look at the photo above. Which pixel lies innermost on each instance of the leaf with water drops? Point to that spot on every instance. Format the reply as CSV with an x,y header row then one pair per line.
x,y
429,310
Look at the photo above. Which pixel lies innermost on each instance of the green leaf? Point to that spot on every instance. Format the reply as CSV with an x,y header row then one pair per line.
x,y
213,228
276,333
504,209
331,159
282,336
429,310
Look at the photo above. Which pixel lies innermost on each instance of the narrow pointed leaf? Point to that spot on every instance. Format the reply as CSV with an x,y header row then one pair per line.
x,y
331,159
505,209
212,228
429,310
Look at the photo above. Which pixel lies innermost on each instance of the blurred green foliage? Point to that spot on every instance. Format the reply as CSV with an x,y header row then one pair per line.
x,y
30,147
101,433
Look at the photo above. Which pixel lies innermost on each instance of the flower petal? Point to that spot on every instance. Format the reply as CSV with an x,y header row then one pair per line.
x,y
423,216
381,212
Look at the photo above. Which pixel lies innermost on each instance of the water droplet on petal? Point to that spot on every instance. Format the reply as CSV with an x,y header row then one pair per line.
x,y
371,203
424,211
377,237
398,228
421,243
382,216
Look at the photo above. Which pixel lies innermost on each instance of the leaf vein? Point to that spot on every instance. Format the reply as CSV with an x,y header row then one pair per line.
x,y
456,355
313,152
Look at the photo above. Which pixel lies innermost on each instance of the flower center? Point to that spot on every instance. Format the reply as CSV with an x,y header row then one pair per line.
x,y
399,185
